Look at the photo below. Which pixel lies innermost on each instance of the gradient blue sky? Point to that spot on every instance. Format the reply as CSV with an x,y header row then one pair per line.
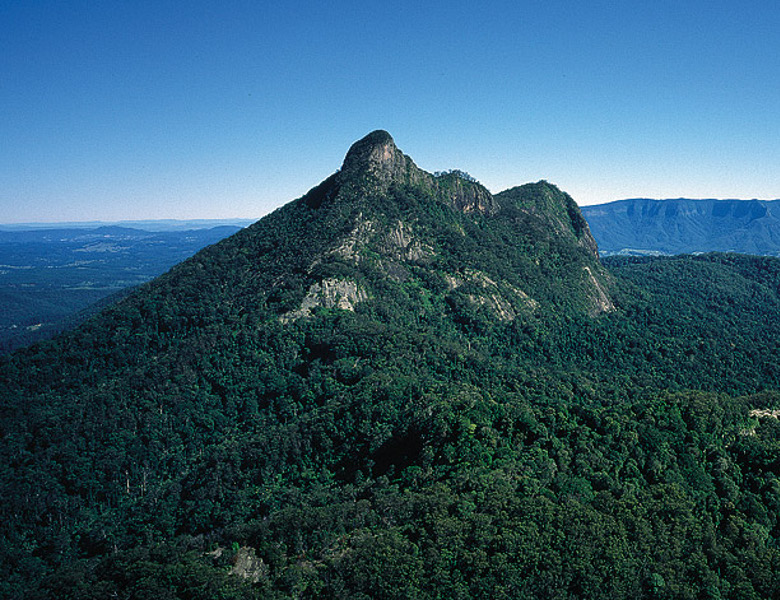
x,y
137,110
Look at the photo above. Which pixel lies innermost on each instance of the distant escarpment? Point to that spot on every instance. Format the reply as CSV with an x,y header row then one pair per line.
x,y
682,226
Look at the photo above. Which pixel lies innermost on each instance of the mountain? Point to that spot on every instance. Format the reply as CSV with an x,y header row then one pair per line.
x,y
52,278
403,386
682,226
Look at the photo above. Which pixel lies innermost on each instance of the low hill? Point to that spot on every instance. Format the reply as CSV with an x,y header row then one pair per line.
x,y
682,226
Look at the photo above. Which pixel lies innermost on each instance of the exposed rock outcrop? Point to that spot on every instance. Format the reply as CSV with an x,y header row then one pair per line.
x,y
503,300
599,296
343,294
468,196
377,158
248,565
401,244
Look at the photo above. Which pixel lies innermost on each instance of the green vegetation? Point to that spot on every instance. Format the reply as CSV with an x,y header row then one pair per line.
x,y
489,413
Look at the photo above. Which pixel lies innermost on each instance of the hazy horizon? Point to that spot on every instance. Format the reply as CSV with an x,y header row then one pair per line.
x,y
146,224
175,223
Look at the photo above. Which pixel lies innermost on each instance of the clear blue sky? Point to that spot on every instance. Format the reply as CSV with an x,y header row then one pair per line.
x,y
135,110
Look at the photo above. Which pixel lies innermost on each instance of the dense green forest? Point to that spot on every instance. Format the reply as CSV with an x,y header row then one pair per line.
x,y
401,386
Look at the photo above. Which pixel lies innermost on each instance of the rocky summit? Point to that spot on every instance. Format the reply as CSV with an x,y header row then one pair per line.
x,y
399,219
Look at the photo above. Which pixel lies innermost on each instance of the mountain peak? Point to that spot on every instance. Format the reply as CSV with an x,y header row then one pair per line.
x,y
377,157
377,147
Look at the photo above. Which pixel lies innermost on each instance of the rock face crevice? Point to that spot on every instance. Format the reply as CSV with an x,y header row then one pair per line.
x,y
599,296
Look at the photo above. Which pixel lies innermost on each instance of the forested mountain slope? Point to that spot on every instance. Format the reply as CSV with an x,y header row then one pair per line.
x,y
683,226
402,386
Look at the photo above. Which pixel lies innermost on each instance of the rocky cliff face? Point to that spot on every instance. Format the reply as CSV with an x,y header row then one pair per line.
x,y
376,157
467,196
374,164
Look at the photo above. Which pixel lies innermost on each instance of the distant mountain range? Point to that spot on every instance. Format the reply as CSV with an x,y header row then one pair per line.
x,y
641,226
